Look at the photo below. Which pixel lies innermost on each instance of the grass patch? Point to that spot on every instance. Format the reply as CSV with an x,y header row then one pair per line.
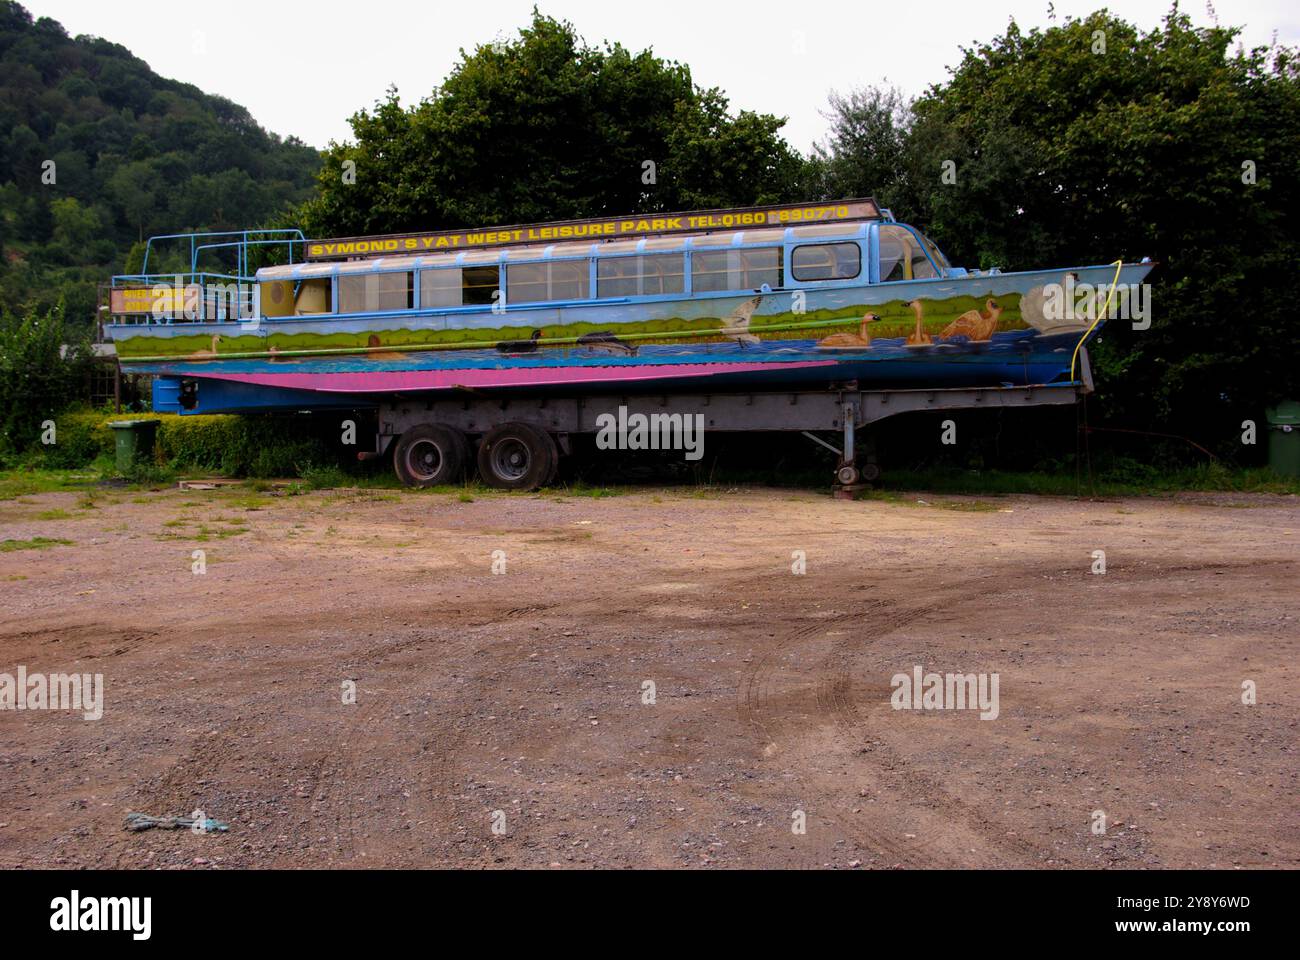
x,y
326,478
35,543
710,492
54,515
250,503
207,533
581,489
22,483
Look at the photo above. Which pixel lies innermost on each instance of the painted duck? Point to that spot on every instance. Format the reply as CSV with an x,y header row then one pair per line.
x,y
918,338
839,341
975,325
520,346
206,354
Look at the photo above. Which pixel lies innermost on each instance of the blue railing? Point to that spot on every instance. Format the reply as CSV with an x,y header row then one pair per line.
x,y
287,236
222,296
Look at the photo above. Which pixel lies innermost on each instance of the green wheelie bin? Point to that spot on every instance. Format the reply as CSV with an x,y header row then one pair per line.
x,y
1284,438
133,441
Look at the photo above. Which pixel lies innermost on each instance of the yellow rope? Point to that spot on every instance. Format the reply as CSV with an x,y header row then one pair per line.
x,y
1118,265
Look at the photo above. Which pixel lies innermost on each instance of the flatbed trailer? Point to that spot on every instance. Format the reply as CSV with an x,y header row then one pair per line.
x,y
523,435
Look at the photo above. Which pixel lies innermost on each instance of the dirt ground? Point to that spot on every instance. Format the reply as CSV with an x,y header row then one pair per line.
x,y
516,701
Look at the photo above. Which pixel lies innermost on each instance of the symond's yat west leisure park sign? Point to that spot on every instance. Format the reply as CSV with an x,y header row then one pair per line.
x,y
788,215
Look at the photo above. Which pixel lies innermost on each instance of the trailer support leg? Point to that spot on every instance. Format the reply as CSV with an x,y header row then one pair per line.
x,y
847,476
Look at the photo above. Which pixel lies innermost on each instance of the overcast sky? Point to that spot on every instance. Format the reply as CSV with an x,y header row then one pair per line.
x,y
303,68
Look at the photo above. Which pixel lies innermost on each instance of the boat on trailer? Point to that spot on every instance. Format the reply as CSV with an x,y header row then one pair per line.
x,y
740,299
489,347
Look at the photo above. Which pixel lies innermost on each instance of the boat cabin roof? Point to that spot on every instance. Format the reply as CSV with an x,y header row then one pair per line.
x,y
611,236
677,243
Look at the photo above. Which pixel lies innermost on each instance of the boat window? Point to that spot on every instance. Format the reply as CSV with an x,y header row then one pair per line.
x,y
440,288
710,271
526,281
826,261
549,280
640,276
901,257
759,267
370,292
618,277
713,270
479,285
313,297
570,280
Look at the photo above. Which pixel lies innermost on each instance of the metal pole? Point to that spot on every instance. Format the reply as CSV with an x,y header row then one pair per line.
x,y
850,414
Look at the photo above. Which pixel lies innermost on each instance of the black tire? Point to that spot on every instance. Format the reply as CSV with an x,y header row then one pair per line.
x,y
517,456
430,456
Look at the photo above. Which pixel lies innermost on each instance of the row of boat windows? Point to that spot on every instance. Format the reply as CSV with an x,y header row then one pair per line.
x,y
901,258
641,276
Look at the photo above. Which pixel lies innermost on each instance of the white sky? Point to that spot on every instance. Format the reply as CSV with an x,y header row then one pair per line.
x,y
303,68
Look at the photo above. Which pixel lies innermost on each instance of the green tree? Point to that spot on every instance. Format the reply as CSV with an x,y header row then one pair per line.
x,y
75,226
546,127
1093,140
866,152
39,378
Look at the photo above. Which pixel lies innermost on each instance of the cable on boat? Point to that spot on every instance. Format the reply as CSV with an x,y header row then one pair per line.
x,y
1118,265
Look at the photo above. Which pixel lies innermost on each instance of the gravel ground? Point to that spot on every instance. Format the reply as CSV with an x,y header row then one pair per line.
x,y
649,682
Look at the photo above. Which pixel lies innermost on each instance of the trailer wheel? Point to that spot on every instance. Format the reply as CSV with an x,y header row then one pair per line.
x,y
517,456
430,456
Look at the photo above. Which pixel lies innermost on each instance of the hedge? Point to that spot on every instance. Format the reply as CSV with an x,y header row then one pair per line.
x,y
256,446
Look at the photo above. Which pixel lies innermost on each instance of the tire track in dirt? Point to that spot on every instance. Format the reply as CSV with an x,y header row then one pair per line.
x,y
171,793
336,793
84,641
831,691
886,757
433,767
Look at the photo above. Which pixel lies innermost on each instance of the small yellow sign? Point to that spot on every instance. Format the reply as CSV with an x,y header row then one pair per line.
x,y
162,300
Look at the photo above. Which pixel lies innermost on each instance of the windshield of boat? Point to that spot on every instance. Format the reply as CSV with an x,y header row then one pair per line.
x,y
901,257
934,252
